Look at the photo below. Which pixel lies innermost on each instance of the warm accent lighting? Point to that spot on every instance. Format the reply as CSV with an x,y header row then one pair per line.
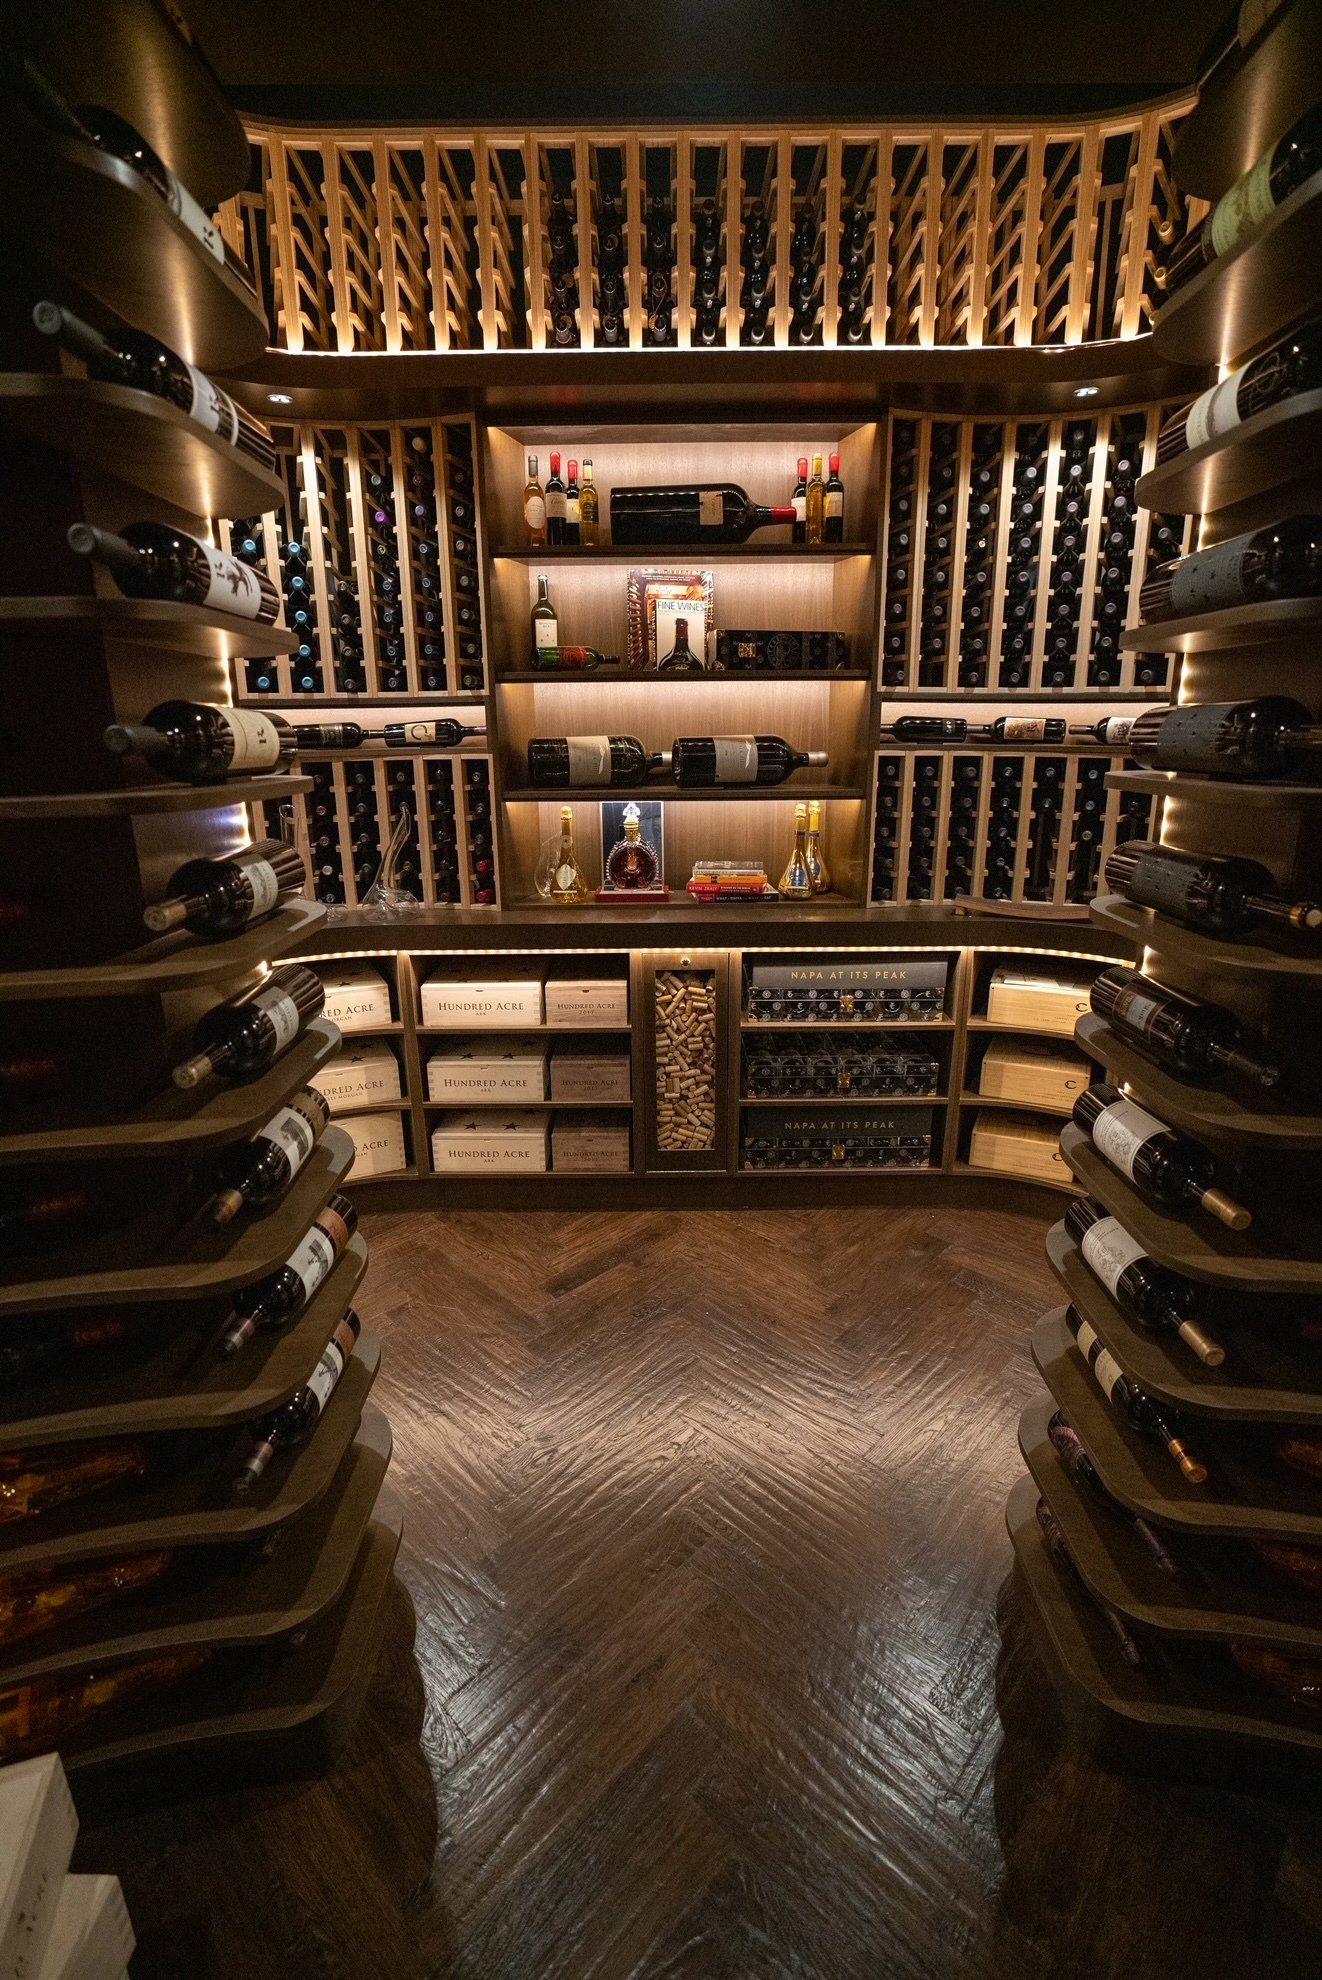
x,y
280,398
1086,391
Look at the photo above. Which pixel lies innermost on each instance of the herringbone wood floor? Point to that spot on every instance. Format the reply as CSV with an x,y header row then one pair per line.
x,y
718,1676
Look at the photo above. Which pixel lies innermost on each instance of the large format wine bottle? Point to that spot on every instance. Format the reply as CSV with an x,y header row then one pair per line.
x,y
203,742
132,358
151,560
33,1600
254,1174
1151,1296
562,762
281,1296
712,512
1269,737
238,1040
1251,200
296,1419
40,1716
33,1482
1284,561
217,897
1284,370
1198,1040
1167,1167
705,760
1149,1418
1225,896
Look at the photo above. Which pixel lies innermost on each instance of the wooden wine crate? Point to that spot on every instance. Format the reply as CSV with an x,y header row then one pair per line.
x,y
379,1147
1045,1075
491,1140
1038,1002
359,1075
1018,1145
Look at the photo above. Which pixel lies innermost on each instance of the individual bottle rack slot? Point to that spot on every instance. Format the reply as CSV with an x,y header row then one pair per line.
x,y
345,822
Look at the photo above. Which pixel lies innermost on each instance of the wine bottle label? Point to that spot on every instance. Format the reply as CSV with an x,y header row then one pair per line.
x,y
534,512
280,1008
800,506
556,506
1214,412
711,508
196,218
1024,728
231,586
589,759
1110,1251
213,408
1210,578
256,739
326,1374
265,884
293,1133
545,632
1138,1010
736,759
1104,1366
1120,1131
313,1260
834,504
1117,728
1156,884
1247,204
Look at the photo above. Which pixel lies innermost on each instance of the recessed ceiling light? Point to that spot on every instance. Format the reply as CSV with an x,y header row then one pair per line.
x,y
284,398
1080,391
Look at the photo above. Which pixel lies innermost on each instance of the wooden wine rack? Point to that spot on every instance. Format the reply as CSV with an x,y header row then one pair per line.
x,y
1186,1704
87,849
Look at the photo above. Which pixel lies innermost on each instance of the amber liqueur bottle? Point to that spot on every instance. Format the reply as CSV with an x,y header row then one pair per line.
x,y
35,1482
35,1600
38,1717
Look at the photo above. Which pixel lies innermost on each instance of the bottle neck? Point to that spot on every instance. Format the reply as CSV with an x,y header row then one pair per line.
x,y
1301,916
191,1072
1305,737
136,739
166,915
1241,1062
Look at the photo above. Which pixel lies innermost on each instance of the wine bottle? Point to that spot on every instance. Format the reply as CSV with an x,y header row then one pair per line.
x,y
572,659
1151,1419
1198,1040
1290,366
796,882
1294,1675
1224,896
817,867
799,503
430,735
701,761
56,1344
40,1716
144,364
290,1425
1166,1167
34,1600
1022,729
833,503
1114,729
33,1482
281,1296
534,506
1269,737
556,504
151,560
545,624
254,1174
217,897
814,505
573,507
562,879
589,512
1058,1548
1150,1295
580,762
710,512
1284,561
1251,200
238,1040
203,743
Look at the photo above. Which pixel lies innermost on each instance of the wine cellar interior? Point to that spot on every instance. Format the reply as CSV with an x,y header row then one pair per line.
x,y
577,686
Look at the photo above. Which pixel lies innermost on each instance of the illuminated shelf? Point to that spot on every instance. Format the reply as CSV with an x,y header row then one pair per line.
x,y
1261,624
1270,450
786,793
129,801
649,553
178,961
1254,291
714,677
1242,113
1231,792
151,622
1145,928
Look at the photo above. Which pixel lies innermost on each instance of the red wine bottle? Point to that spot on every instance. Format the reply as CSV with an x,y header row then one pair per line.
x,y
711,512
1166,1167
1251,200
217,897
1284,370
281,1296
151,560
1058,1548
1151,1419
1263,739
1198,1040
704,761
429,735
51,1345
254,1174
238,1040
833,503
1284,561
586,762
1082,1473
1154,1298
202,742
1113,729
290,1425
1223,896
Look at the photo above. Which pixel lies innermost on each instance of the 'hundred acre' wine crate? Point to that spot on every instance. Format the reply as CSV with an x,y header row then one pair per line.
x,y
1042,1073
491,1140
378,1141
473,1000
357,998
484,1074
359,1075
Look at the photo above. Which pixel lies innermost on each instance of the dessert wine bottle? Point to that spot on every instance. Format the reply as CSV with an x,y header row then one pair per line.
x,y
1251,200
203,742
1164,1166
701,761
815,503
1224,896
1284,370
429,735
33,1482
1149,1418
817,867
563,762
254,1174
151,560
238,1040
281,1296
1198,1040
1262,739
796,882
588,509
1284,561
33,1600
217,897
534,506
39,1716
710,512
1154,1298
290,1425
144,364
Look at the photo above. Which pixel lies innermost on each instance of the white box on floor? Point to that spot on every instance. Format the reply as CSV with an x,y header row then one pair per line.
x,y
38,1825
378,1140
590,1079
358,1075
476,999
357,998
91,1937
591,1144
466,1075
587,1000
491,1141
1037,1001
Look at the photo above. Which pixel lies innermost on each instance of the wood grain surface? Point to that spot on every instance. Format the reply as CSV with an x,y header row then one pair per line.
x,y
704,1661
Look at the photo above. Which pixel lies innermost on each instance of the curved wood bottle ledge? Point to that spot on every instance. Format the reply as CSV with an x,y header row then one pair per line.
x,y
1271,450
1242,115
173,962
1252,292
147,800
1227,792
1143,928
1217,1115
1266,623
149,622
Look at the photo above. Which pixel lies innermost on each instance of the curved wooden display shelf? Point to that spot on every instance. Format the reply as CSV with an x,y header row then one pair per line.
x,y
631,677
1142,1476
261,1715
1196,1245
1239,118
1119,1704
1146,929
179,1121
1214,1114
98,221
1262,624
201,1263
1227,791
650,553
1275,447
1009,1175
139,439
186,1383
1260,1380
146,800
679,794
152,622
1207,1601
1254,292
173,962
221,1600
192,1501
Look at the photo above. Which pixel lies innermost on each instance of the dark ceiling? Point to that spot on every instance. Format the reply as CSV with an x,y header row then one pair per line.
x,y
670,61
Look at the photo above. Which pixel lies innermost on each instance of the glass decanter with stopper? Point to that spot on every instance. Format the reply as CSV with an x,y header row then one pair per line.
x,y
632,864
560,878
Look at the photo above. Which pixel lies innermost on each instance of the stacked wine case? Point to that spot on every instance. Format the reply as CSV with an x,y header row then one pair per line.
x,y
282,1636
1170,1631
